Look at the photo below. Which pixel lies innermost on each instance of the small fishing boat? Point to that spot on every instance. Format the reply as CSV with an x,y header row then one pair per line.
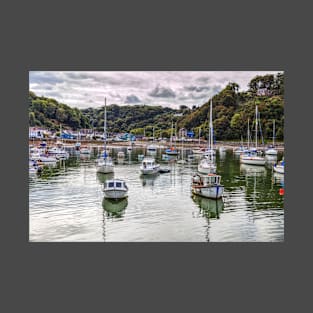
x,y
279,167
115,189
208,186
149,166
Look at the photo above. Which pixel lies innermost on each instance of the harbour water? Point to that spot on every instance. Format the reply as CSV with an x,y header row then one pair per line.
x,y
66,203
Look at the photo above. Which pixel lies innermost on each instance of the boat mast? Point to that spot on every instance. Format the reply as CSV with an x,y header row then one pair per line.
x,y
273,133
104,128
248,135
172,134
153,134
256,127
211,131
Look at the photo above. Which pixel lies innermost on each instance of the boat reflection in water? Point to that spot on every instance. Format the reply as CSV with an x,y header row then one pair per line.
x,y
209,207
114,208
103,177
278,178
148,180
252,170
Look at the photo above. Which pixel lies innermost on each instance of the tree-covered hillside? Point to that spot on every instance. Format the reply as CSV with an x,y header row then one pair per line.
x,y
231,111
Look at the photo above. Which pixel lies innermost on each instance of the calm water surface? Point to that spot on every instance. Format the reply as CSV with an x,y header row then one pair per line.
x,y
66,203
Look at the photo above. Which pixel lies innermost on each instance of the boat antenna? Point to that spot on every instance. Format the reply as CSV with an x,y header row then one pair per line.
x,y
104,128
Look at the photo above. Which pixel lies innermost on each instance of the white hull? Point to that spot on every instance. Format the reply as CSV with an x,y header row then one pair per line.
x,y
149,171
212,192
279,169
198,151
253,160
206,167
271,152
115,194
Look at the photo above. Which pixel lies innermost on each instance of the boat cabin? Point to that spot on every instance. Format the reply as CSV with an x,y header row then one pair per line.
x,y
146,163
116,184
205,180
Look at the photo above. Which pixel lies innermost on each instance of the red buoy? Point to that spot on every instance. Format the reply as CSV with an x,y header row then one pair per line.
x,y
281,191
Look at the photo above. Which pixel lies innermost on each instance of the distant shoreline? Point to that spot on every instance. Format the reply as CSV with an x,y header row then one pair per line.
x,y
140,143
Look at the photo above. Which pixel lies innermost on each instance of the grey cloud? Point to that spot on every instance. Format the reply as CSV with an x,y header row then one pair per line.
x,y
132,99
162,92
203,79
44,77
197,88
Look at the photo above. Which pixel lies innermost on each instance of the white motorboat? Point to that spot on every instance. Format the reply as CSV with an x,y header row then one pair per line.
x,y
208,186
251,156
115,189
149,166
39,156
104,163
279,167
59,153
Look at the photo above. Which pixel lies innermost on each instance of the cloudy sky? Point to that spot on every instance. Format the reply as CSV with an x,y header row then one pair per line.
x,y
166,88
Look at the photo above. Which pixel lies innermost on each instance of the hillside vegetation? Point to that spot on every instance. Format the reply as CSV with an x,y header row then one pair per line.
x,y
231,111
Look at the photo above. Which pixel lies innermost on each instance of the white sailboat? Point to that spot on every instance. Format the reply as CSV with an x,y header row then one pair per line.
x,y
153,147
199,150
251,157
207,165
104,163
272,150
172,150
182,160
